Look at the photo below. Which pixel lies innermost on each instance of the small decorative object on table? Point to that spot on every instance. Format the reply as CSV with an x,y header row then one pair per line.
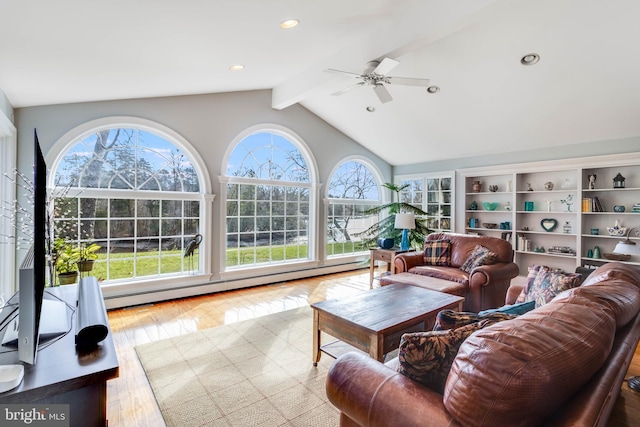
x,y
490,206
489,225
473,206
548,185
566,227
618,208
529,187
566,185
476,186
493,188
618,181
507,205
592,182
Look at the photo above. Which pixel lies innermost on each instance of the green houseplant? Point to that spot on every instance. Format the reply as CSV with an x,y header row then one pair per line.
x,y
65,260
86,256
386,226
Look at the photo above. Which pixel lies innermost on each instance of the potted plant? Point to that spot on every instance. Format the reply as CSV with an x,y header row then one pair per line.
x,y
386,226
86,256
65,261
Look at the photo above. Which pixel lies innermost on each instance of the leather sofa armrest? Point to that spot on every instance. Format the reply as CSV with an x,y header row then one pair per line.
x,y
513,292
494,273
488,285
407,260
372,394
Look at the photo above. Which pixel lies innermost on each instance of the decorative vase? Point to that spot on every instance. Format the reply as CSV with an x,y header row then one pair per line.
x,y
596,252
476,186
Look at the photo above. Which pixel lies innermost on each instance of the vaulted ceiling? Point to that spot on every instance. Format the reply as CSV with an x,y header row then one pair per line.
x,y
585,87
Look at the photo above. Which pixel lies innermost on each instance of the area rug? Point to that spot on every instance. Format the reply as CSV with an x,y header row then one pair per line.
x,y
257,372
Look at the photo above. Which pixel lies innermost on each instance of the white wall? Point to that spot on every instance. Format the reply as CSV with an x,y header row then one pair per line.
x,y
208,122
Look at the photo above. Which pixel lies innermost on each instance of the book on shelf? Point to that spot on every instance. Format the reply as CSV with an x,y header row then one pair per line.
x,y
592,204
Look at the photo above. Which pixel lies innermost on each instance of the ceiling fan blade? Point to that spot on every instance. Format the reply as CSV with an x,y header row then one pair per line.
x,y
386,66
383,94
347,89
343,73
408,81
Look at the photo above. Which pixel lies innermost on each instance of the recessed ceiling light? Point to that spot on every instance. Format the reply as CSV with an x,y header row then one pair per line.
x,y
289,23
433,89
371,109
530,59
236,67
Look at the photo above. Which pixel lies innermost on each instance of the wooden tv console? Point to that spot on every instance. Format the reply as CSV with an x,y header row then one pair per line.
x,y
64,374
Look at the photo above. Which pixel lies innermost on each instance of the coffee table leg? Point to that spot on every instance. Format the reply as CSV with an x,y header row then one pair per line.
x,y
376,347
316,337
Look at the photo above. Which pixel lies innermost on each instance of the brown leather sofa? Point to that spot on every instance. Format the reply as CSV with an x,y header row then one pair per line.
x,y
561,364
485,287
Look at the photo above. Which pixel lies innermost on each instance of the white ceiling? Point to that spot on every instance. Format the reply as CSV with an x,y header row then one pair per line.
x,y
586,86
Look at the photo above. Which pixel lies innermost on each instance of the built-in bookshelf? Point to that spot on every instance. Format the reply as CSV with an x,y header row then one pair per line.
x,y
557,212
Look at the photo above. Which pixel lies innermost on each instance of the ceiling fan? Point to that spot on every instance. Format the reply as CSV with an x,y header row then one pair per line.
x,y
376,75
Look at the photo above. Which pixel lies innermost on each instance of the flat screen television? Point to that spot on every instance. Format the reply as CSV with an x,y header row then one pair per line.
x,y
25,328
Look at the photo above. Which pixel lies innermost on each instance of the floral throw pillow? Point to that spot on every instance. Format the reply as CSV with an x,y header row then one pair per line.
x,y
426,357
547,284
438,252
478,256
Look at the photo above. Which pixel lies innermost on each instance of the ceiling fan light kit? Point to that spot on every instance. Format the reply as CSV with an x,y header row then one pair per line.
x,y
376,76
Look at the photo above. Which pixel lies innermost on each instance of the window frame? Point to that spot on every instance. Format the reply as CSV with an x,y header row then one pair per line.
x,y
204,196
398,179
312,186
332,201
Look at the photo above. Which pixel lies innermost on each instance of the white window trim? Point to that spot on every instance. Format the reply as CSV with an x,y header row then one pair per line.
x,y
314,191
119,288
8,164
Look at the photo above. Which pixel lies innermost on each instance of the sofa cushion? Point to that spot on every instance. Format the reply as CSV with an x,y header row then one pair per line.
x,y
614,270
620,296
426,357
479,256
437,252
546,284
521,371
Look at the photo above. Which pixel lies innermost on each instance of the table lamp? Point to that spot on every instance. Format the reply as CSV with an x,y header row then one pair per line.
x,y
627,246
405,221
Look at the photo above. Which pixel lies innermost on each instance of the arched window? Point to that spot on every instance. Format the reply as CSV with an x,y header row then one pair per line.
x,y
268,199
135,193
353,190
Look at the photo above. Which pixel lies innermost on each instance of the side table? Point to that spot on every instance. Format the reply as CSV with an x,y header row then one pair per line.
x,y
386,255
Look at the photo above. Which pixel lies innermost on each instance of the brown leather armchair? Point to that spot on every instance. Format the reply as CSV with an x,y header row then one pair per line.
x,y
486,285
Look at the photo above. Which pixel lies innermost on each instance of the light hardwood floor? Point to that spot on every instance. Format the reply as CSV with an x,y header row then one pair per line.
x,y
130,401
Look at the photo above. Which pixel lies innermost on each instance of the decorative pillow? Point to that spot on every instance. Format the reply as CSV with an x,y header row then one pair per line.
x,y
449,319
426,357
517,309
547,284
478,256
438,252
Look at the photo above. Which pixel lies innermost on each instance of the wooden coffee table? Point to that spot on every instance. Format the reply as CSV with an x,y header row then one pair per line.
x,y
375,320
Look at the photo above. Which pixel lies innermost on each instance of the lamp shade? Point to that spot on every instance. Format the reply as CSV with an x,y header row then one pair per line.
x,y
626,247
405,221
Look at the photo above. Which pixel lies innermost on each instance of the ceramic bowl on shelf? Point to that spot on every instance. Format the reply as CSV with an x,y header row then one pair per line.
x,y
489,225
617,231
490,206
